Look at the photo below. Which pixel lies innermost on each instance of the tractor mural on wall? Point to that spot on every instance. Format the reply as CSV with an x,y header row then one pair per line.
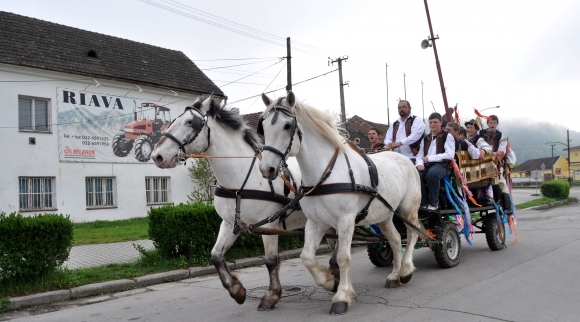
x,y
142,134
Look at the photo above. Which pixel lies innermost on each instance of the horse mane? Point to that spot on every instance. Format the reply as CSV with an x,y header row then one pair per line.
x,y
322,122
232,119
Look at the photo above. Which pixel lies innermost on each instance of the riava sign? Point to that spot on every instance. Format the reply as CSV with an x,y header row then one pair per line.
x,y
95,127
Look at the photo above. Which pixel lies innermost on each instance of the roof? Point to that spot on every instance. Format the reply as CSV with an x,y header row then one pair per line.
x,y
536,164
573,148
359,128
41,44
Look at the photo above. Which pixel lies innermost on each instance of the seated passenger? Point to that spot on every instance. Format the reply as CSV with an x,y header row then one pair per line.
x,y
406,133
462,133
462,145
437,148
473,138
375,139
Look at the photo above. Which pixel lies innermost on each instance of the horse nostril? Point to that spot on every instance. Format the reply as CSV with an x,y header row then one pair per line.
x,y
159,159
272,171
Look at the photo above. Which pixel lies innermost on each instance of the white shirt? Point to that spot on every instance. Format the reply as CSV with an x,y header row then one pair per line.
x,y
417,129
448,154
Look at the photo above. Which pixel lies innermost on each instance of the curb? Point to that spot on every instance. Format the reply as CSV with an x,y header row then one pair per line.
x,y
142,281
550,205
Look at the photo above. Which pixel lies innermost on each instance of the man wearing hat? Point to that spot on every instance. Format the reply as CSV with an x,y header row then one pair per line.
x,y
474,139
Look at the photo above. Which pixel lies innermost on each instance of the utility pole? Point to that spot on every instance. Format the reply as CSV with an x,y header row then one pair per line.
x,y
405,85
388,114
432,39
342,108
288,66
568,144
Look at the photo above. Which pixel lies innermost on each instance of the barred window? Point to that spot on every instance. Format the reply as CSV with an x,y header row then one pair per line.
x,y
157,190
33,114
100,192
37,193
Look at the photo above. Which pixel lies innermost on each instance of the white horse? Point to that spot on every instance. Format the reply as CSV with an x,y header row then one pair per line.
x,y
209,128
293,128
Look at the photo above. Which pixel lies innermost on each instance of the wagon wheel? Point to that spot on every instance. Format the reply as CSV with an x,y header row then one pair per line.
x,y
448,252
380,254
493,233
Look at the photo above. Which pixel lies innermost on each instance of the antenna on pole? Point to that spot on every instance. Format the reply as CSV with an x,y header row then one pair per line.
x,y
405,84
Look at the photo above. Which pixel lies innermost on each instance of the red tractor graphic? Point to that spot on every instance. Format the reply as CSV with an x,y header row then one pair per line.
x,y
141,133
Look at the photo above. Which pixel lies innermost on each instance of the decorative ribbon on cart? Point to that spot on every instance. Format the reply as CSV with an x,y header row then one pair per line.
x,y
464,216
501,219
512,220
462,184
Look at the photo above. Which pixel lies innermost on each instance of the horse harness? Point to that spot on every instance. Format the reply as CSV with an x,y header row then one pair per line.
x,y
198,123
332,188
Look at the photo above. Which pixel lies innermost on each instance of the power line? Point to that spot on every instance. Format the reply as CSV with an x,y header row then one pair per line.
x,y
272,91
233,29
270,83
259,62
234,23
249,75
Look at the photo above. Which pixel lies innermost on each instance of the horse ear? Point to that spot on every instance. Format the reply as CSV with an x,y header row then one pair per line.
x,y
291,99
266,99
206,103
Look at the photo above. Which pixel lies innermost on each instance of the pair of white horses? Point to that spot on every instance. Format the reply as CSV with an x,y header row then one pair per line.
x,y
312,137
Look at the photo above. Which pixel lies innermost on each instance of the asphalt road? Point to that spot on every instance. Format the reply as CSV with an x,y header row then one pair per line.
x,y
534,279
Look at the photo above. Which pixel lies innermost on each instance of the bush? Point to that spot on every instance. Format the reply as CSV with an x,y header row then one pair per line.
x,y
557,189
191,231
33,246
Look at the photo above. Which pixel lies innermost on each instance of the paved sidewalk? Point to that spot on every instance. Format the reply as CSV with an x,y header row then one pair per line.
x,y
103,254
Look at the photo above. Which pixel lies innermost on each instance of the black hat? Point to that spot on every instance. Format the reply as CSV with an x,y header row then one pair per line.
x,y
472,121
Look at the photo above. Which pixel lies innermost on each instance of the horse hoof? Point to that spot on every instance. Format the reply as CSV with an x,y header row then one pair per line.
x,y
240,295
392,284
406,279
265,305
338,308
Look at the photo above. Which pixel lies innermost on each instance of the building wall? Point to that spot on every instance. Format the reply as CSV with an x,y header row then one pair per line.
x,y
21,159
575,164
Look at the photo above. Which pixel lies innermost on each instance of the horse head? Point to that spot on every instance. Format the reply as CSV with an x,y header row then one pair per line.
x,y
282,134
188,133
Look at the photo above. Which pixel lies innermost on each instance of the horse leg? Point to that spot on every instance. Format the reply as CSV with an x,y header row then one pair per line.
x,y
343,297
407,267
229,280
388,229
272,259
333,265
312,237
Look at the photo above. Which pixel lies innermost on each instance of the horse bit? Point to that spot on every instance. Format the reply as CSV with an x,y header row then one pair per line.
x,y
198,123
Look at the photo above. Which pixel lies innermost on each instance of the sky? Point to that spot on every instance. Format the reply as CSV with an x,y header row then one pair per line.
x,y
519,55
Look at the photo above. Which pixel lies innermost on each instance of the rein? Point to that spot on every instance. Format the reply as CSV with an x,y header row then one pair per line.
x,y
197,124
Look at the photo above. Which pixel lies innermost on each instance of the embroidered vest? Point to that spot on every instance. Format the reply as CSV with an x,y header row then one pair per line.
x,y
408,125
491,138
441,138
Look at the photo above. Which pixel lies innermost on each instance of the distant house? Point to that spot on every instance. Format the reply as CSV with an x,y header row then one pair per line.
x,y
554,167
358,128
81,112
575,162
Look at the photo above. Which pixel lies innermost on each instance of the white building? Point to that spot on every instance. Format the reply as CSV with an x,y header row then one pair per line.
x,y
80,113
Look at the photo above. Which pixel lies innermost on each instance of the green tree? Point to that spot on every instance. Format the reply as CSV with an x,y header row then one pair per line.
x,y
201,174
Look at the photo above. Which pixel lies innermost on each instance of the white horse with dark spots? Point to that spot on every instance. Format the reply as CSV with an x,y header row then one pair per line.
x,y
208,128
292,128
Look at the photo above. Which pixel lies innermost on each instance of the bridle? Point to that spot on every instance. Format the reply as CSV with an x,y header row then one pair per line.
x,y
294,127
197,124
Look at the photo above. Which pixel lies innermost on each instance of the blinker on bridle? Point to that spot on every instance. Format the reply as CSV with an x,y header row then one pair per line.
x,y
294,127
197,124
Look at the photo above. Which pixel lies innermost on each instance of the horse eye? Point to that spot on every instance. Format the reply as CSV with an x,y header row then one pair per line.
x,y
287,126
189,122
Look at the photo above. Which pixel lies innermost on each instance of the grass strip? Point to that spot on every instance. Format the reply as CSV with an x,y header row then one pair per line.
x,y
104,232
542,201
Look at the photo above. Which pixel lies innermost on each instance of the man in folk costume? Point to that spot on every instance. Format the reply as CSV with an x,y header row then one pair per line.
x,y
435,152
474,139
375,139
405,135
500,150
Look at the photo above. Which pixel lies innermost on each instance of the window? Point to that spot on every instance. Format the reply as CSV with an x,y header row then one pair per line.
x,y
33,114
157,190
37,193
100,192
